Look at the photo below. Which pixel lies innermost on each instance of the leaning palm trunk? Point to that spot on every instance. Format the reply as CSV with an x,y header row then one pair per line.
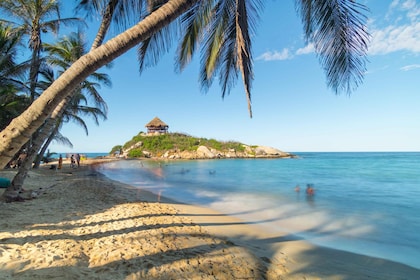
x,y
37,161
12,192
18,132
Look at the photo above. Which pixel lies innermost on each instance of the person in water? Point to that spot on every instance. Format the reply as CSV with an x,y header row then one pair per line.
x,y
310,190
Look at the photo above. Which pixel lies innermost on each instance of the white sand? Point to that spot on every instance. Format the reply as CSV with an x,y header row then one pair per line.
x,y
85,226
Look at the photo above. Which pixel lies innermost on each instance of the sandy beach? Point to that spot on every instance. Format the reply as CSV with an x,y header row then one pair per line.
x,y
82,225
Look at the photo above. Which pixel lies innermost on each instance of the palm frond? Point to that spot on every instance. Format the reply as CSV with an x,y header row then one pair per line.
x,y
90,7
194,23
151,50
62,140
227,45
243,45
339,33
213,42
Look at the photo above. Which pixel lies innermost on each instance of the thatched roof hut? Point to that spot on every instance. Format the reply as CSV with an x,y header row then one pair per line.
x,y
157,126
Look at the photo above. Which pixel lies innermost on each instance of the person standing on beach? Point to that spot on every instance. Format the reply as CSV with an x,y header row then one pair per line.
x,y
60,162
72,162
78,160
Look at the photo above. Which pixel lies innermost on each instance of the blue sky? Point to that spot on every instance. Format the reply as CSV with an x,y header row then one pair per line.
x,y
293,110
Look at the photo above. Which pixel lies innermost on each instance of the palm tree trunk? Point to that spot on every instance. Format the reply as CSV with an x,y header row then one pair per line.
x,y
12,192
41,152
18,132
105,23
33,73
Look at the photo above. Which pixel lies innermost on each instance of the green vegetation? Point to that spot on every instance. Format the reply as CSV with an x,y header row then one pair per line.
x,y
116,149
159,144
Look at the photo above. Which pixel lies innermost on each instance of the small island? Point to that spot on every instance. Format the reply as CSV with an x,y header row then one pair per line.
x,y
158,142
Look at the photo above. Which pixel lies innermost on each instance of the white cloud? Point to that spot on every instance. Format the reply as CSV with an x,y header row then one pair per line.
x,y
286,53
412,8
394,4
396,38
275,55
410,67
403,34
306,50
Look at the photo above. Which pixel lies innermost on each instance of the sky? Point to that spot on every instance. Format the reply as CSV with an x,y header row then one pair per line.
x,y
293,109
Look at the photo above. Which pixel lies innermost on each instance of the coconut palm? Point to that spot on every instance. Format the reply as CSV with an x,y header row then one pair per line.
x,y
12,102
224,28
11,73
123,13
336,27
11,105
32,18
61,55
72,108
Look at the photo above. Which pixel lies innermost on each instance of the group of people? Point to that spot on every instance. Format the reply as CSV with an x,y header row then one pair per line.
x,y
310,191
74,161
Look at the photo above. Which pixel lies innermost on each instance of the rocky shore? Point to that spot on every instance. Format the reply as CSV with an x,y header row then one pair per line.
x,y
204,152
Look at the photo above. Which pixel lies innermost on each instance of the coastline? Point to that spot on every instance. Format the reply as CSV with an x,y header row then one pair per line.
x,y
84,225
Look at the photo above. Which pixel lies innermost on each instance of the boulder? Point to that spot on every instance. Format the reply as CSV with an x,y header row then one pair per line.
x,y
147,154
188,155
204,152
268,151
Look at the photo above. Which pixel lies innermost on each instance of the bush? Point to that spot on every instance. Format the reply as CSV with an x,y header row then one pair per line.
x,y
115,149
135,153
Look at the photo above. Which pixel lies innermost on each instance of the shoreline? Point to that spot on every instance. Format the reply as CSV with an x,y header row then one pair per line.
x,y
84,224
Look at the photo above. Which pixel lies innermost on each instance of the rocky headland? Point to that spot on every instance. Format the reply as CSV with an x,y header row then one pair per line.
x,y
181,146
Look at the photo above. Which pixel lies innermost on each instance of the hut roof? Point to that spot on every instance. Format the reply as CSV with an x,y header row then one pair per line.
x,y
156,122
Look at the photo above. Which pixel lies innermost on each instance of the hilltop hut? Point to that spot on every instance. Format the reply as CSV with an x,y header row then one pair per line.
x,y
156,126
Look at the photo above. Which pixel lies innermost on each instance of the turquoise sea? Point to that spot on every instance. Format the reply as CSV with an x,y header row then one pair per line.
x,y
368,203
88,155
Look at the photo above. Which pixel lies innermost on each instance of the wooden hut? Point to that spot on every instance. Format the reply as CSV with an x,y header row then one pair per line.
x,y
156,126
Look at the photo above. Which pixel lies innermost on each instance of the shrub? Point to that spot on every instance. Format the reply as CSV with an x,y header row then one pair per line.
x,y
135,153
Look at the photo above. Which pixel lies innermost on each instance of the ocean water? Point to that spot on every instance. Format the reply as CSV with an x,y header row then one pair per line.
x,y
88,155
367,203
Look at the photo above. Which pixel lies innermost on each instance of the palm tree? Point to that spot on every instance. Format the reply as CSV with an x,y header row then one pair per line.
x,y
121,12
11,73
224,29
336,27
61,55
31,18
227,45
12,104
74,112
